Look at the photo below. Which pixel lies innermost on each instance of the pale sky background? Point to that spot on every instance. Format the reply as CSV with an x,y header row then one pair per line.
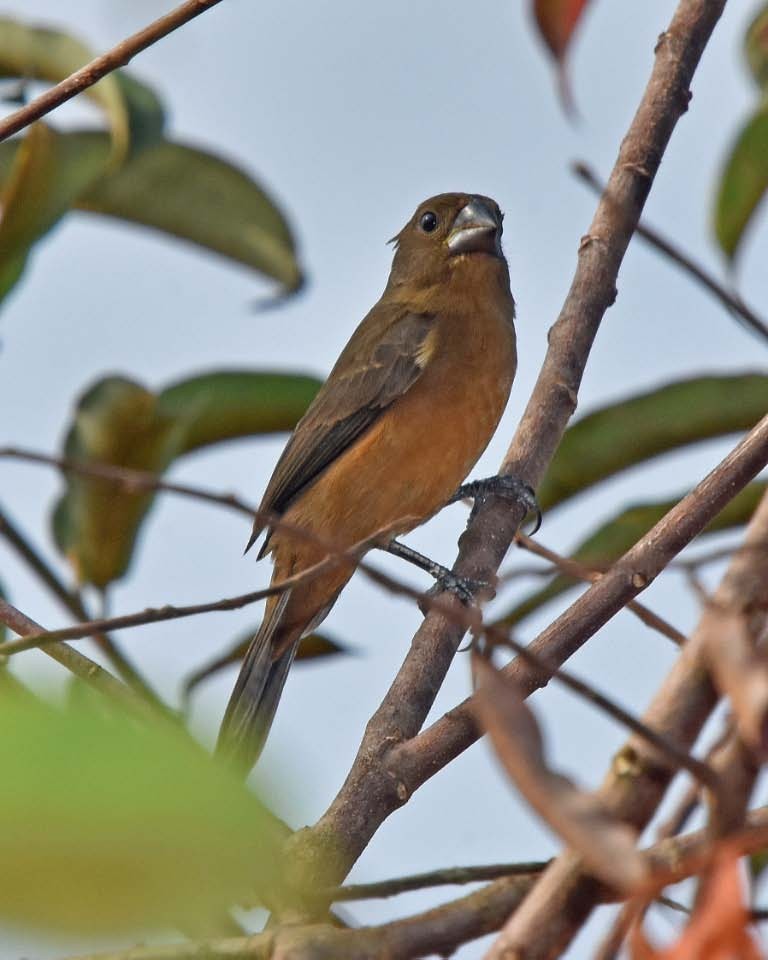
x,y
352,114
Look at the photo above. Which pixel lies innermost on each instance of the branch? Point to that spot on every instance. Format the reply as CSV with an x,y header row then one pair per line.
x,y
118,56
374,788
638,777
74,661
442,929
576,570
73,602
731,301
134,481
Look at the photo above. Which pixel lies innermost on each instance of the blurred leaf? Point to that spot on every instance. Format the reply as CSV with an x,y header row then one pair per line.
x,y
557,20
756,48
96,522
201,198
41,53
624,434
612,539
579,818
757,864
119,422
225,404
313,647
110,825
145,110
720,926
743,183
47,173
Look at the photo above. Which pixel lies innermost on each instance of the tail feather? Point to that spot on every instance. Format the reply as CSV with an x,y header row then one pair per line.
x,y
252,705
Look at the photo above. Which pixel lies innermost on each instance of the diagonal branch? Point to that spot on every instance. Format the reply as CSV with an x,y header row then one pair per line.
x,y
118,56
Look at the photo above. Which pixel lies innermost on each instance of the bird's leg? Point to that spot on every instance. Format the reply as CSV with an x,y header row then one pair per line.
x,y
502,485
462,587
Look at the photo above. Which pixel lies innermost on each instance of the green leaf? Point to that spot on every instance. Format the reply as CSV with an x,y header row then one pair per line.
x,y
204,199
46,174
120,422
624,434
111,825
225,404
743,183
96,522
146,113
313,647
756,48
41,53
612,539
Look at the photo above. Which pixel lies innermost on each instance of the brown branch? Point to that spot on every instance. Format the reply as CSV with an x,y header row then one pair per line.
x,y
374,787
118,56
638,778
74,604
729,299
134,481
578,571
450,876
442,929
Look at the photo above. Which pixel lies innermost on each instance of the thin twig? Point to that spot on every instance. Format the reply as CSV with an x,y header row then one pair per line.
x,y
579,571
729,299
118,56
134,481
73,602
450,876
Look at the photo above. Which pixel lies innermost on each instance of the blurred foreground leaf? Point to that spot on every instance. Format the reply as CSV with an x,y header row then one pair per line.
x,y
644,426
612,540
42,53
121,423
557,21
743,182
110,825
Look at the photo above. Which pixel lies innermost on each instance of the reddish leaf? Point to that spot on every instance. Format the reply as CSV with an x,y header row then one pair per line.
x,y
719,928
557,20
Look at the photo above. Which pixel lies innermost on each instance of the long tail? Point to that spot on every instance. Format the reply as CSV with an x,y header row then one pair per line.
x,y
251,708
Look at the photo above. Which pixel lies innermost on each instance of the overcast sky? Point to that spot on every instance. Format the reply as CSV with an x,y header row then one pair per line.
x,y
352,114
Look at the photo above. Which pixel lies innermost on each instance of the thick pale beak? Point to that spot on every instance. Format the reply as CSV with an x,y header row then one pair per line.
x,y
475,230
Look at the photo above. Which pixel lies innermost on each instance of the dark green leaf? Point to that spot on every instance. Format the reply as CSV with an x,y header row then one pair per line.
x,y
112,825
756,48
225,404
47,172
41,53
612,539
96,522
146,113
624,434
201,198
743,183
313,647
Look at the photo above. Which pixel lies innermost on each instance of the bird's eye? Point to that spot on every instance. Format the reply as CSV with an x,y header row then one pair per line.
x,y
428,221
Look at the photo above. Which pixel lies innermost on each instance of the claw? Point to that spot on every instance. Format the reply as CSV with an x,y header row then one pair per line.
x,y
502,485
463,588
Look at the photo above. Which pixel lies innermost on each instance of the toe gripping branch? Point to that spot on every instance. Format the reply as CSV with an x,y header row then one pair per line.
x,y
502,485
463,588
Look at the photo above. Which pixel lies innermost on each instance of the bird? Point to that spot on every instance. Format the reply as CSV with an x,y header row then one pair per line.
x,y
407,410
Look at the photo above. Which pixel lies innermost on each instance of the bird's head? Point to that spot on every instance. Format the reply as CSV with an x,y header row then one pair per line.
x,y
445,230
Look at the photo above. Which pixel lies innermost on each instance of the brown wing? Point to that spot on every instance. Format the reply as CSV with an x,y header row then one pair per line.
x,y
383,359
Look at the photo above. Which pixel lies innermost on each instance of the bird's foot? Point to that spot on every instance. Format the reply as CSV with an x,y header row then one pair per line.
x,y
502,485
463,588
